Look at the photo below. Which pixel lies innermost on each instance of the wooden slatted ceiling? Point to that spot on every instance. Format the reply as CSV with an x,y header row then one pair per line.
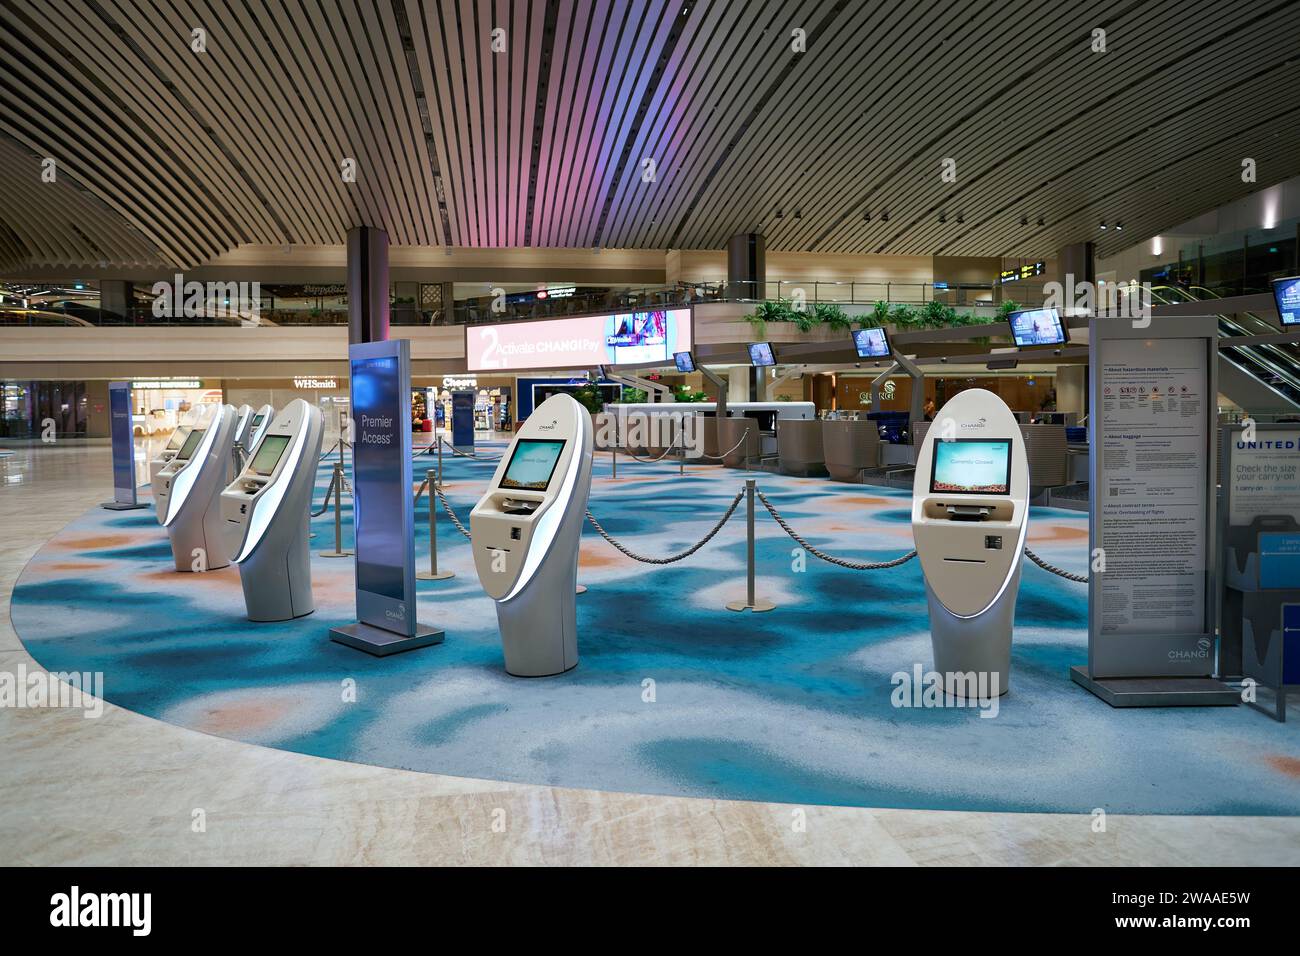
x,y
169,156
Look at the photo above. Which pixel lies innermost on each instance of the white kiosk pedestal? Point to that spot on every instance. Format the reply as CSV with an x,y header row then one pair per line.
x,y
525,533
970,502
188,493
266,516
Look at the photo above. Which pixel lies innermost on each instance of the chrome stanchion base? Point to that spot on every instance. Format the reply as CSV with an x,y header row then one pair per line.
x,y
582,589
430,576
760,604
334,554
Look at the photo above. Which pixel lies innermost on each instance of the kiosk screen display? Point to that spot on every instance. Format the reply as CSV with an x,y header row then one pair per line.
x,y
533,463
684,361
257,419
191,443
760,354
971,466
871,343
178,436
1286,293
269,452
1036,327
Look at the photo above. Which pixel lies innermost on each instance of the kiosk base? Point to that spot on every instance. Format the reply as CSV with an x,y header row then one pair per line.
x,y
122,506
381,643
1157,691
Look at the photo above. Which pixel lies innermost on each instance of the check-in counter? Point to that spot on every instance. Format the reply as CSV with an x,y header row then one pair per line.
x,y
1045,447
799,447
850,447
738,453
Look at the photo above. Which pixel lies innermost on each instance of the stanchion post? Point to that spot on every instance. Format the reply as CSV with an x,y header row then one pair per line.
x,y
613,459
751,603
338,551
433,574
440,441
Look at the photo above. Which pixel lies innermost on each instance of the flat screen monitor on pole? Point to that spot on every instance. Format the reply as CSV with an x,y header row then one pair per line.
x,y
1036,327
760,354
1286,293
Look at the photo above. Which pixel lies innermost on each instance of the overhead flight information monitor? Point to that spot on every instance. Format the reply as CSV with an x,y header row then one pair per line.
x,y
760,354
533,463
871,343
1036,327
1286,293
971,466
685,362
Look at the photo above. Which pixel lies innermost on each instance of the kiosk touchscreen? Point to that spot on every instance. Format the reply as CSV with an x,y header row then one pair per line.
x,y
257,427
188,493
265,511
179,434
970,502
525,532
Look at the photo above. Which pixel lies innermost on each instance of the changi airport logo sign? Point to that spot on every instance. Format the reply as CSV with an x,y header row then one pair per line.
x,y
193,300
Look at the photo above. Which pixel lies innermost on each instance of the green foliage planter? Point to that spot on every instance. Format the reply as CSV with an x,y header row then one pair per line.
x,y
901,317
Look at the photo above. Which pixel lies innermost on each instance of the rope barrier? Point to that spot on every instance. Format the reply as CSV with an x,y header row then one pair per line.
x,y
325,505
446,506
333,449
651,461
731,509
420,491
829,558
1053,569
743,438
463,454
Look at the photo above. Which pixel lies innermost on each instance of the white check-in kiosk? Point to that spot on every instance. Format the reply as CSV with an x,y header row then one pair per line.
x,y
179,434
525,532
188,493
265,511
970,502
257,427
243,418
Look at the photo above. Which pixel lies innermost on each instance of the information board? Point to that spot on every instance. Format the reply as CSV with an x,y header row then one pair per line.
x,y
1151,498
122,433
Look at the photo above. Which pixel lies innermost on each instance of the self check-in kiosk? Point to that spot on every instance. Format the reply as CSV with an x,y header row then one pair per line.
x,y
188,492
970,501
179,434
257,427
265,511
525,532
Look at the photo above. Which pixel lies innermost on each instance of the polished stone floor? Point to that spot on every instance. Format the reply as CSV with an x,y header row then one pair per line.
x,y
126,789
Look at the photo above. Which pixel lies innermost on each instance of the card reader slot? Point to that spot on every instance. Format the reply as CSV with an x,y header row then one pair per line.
x,y
965,560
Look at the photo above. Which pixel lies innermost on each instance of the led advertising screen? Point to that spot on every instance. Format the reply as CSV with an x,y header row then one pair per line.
x,y
533,463
584,341
871,343
123,434
1286,293
269,452
685,363
380,465
971,466
1036,327
760,354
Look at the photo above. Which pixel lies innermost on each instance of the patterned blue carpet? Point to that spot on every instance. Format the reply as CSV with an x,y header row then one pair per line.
x,y
793,705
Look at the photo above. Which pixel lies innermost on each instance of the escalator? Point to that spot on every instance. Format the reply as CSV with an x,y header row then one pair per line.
x,y
1265,378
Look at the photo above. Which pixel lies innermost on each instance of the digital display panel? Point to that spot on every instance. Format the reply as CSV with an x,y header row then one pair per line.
x,y
257,419
1286,293
1036,327
584,341
760,354
191,443
177,439
871,343
377,410
532,464
269,452
119,404
971,466
685,363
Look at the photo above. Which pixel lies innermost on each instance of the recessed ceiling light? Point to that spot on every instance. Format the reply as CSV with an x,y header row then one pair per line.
x,y
1103,224
1119,227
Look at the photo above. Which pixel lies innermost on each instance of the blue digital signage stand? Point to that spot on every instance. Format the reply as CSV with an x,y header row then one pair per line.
x,y
462,421
119,414
383,509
